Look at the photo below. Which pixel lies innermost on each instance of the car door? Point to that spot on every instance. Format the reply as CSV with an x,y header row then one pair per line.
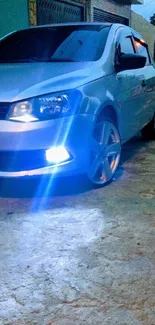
x,y
148,109
131,92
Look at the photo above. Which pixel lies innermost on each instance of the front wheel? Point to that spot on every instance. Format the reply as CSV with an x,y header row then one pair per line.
x,y
105,153
148,132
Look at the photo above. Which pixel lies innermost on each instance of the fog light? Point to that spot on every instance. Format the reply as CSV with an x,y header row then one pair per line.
x,y
57,155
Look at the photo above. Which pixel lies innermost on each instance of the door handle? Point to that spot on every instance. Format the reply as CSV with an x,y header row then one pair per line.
x,y
144,83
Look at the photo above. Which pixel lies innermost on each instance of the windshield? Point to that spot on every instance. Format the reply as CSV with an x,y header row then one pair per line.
x,y
61,43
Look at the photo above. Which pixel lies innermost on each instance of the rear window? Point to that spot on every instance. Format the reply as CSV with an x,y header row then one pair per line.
x,y
62,43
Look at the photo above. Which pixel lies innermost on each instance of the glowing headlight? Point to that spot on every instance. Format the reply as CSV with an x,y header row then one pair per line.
x,y
46,107
22,112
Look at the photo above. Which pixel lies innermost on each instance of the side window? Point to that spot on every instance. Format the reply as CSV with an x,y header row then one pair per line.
x,y
126,46
141,49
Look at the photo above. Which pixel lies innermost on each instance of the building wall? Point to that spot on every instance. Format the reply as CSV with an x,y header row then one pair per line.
x,y
13,15
145,29
32,4
111,6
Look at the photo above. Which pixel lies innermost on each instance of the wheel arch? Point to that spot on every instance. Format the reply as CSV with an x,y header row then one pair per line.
x,y
109,111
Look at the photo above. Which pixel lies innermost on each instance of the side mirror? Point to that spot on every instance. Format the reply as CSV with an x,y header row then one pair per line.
x,y
130,61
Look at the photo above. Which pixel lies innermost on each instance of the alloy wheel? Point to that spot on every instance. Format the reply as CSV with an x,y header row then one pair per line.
x,y
105,153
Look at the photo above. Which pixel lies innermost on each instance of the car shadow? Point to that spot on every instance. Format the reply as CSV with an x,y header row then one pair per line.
x,y
129,150
49,187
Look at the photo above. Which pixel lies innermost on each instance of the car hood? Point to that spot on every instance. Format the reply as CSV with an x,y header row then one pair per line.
x,y
25,80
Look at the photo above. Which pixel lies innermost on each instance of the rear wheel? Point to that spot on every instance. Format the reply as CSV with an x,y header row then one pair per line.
x,y
105,152
148,132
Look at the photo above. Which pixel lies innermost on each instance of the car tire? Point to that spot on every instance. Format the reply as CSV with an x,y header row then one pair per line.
x,y
105,152
148,132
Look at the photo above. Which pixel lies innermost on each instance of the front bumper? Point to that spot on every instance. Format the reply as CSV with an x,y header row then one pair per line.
x,y
74,133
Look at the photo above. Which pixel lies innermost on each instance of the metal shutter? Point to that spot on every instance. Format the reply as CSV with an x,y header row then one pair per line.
x,y
103,16
52,12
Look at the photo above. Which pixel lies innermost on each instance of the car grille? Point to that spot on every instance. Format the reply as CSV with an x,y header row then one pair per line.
x,y
15,161
4,109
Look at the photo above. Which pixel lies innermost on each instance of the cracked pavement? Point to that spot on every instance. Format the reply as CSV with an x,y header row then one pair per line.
x,y
70,254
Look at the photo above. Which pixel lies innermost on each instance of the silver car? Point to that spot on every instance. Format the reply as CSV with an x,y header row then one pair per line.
x,y
70,96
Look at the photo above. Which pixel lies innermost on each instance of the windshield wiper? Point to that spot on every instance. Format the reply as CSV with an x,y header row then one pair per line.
x,y
57,60
29,60
20,60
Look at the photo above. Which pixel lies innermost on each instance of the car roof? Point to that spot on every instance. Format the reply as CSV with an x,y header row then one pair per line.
x,y
74,24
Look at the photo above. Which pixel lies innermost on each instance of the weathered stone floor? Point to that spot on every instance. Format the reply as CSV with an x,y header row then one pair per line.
x,y
81,256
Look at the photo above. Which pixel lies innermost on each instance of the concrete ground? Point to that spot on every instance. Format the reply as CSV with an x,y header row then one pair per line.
x,y
80,256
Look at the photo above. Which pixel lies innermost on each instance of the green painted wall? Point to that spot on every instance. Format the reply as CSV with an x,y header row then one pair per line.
x,y
13,15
